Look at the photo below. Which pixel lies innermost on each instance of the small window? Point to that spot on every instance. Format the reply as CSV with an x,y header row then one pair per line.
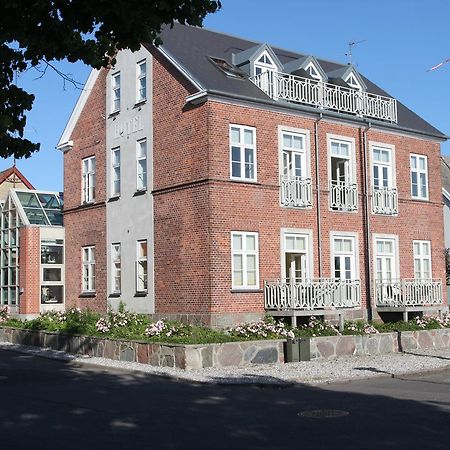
x,y
115,269
244,260
422,260
353,82
344,258
88,180
243,153
88,269
419,177
141,82
227,68
115,172
313,72
52,294
115,91
141,162
141,266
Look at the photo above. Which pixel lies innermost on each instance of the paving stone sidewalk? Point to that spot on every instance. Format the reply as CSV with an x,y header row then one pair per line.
x,y
310,372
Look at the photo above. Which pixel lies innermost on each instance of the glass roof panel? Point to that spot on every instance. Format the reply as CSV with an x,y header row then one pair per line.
x,y
36,216
55,217
28,199
49,201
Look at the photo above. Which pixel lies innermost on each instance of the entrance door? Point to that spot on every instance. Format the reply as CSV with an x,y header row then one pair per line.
x,y
295,267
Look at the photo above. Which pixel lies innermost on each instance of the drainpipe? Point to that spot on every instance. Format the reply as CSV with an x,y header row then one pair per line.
x,y
369,287
319,220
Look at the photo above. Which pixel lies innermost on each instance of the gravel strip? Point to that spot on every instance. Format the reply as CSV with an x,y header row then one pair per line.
x,y
308,372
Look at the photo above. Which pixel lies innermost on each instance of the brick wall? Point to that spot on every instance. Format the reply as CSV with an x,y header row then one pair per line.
x,y
29,273
86,225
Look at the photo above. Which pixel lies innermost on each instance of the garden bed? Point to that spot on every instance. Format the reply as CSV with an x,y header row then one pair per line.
x,y
126,336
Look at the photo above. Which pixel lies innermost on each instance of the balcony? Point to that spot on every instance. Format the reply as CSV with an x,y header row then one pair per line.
x,y
343,196
296,191
408,293
385,201
292,88
311,295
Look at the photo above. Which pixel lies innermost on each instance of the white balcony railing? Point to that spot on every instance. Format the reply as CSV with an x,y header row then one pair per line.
x,y
312,294
296,191
325,95
385,201
343,196
408,292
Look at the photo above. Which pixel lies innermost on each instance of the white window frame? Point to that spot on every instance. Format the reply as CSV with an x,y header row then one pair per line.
x,y
242,147
244,253
355,83
115,92
352,156
419,172
396,252
141,259
421,257
140,185
88,166
116,267
88,265
392,179
115,168
355,252
264,66
306,151
309,249
308,70
141,75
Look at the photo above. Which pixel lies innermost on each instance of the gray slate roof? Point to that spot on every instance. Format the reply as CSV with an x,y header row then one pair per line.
x,y
191,46
445,170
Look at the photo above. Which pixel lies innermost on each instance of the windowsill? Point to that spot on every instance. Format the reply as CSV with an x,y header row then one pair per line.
x,y
244,180
140,103
88,294
140,192
246,290
114,198
88,203
141,294
114,295
114,114
420,199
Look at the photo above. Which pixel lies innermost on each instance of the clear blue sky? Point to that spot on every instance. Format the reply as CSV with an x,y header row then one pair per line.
x,y
403,38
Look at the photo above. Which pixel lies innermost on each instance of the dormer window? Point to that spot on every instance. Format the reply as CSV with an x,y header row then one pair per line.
x,y
313,72
353,82
265,70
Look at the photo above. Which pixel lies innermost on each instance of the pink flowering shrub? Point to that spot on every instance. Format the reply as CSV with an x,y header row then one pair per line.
x,y
265,328
4,313
121,323
359,327
317,327
167,329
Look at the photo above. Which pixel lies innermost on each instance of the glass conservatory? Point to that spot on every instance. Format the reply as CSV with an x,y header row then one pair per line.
x,y
32,251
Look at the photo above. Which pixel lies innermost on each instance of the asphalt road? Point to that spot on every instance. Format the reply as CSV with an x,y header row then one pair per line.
x,y
46,404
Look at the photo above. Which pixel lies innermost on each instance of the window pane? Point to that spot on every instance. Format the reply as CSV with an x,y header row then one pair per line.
x,y
347,247
52,254
238,279
235,135
425,249
251,262
250,242
52,294
251,278
236,169
237,262
338,245
298,142
290,242
416,249
287,140
422,163
248,137
52,274
237,242
413,162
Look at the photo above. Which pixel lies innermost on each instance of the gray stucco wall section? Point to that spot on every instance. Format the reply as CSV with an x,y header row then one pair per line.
x,y
130,217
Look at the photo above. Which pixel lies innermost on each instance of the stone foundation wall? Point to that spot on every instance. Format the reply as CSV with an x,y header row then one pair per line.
x,y
167,355
227,354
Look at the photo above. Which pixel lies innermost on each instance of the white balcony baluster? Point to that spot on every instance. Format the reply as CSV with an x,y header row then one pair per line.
x,y
296,191
385,201
408,292
289,294
343,196
325,95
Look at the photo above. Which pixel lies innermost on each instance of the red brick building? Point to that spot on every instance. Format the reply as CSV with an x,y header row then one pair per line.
x,y
215,179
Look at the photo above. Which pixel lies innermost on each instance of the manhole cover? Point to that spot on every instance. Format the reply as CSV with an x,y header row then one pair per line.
x,y
324,413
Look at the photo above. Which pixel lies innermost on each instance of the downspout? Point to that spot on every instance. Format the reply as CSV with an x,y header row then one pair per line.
x,y
369,287
319,220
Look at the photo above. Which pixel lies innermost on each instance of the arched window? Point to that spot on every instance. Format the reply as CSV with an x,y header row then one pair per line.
x,y
353,82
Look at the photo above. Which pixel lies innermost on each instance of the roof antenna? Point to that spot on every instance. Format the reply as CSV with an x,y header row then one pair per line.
x,y
439,65
351,44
